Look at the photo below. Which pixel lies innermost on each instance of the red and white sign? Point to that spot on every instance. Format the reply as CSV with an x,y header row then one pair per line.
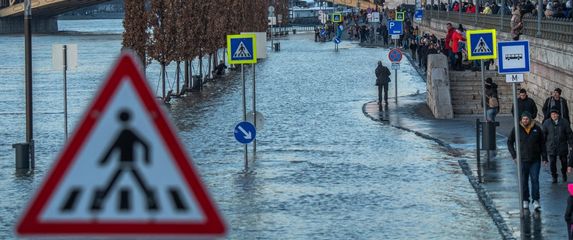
x,y
123,172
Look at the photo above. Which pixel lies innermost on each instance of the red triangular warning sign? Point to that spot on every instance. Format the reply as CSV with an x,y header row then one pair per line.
x,y
123,172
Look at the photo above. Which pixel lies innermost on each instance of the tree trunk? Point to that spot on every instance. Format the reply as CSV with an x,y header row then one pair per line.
x,y
177,73
210,73
186,76
163,81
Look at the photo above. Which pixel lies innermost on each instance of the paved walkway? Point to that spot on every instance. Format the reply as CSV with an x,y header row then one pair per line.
x,y
498,187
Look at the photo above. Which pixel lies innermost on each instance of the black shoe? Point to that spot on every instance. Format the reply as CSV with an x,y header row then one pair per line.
x,y
554,180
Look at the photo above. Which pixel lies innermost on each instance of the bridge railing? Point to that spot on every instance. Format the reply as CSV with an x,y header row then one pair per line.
x,y
558,29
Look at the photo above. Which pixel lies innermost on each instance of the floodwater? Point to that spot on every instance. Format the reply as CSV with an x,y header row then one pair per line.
x,y
323,170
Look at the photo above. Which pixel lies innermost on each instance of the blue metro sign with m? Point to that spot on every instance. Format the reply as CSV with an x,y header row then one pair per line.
x,y
395,27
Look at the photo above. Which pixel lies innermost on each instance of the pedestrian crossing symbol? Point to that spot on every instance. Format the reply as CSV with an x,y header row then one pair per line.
x,y
481,44
123,172
241,49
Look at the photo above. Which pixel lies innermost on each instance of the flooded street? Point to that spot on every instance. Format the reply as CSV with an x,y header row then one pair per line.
x,y
323,170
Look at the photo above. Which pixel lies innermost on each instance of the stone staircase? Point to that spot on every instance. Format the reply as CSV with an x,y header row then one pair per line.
x,y
466,92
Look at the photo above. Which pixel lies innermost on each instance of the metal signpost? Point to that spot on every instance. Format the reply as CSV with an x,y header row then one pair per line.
x,y
65,57
242,49
395,30
482,45
514,61
395,56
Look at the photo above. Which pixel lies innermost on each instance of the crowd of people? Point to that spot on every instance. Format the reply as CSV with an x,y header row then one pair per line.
x,y
550,8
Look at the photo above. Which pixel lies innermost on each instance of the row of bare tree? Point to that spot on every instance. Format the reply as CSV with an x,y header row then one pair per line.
x,y
181,30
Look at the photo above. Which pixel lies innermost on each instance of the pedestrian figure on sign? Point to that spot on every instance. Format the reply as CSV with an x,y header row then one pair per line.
x,y
525,104
533,152
125,143
556,101
569,212
382,80
558,139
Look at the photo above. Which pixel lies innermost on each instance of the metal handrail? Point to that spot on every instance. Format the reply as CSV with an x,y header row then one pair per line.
x,y
558,29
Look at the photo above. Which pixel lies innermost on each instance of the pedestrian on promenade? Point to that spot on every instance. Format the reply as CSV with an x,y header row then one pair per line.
x,y
449,44
533,152
558,140
413,48
492,100
569,212
524,103
556,101
382,80
458,43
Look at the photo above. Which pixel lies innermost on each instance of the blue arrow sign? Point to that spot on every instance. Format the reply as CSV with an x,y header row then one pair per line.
x,y
245,132
419,14
336,40
395,27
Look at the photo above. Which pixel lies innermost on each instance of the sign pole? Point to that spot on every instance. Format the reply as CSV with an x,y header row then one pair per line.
x,y
518,149
483,91
244,112
28,73
65,56
254,109
396,76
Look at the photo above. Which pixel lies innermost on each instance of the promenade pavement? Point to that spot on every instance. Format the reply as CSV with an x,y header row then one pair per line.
x,y
495,180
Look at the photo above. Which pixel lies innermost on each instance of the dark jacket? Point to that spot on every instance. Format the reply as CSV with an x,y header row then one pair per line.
x,y
558,137
532,144
526,104
569,211
382,75
491,91
563,108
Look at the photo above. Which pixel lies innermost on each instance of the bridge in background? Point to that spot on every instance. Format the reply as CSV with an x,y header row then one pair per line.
x,y
44,13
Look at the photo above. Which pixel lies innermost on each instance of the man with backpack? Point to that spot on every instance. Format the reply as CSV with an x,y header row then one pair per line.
x,y
382,80
558,102
491,100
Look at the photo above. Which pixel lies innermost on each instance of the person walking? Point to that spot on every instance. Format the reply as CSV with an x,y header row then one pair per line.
x,y
556,101
492,100
458,43
525,104
533,152
382,80
558,139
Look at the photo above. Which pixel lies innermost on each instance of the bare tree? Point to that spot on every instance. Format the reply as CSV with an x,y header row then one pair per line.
x,y
135,24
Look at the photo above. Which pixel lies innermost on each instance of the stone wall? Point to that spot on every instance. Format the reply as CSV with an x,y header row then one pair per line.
x,y
438,85
551,63
466,92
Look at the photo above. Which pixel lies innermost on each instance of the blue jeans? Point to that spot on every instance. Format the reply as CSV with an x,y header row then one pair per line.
x,y
490,114
530,170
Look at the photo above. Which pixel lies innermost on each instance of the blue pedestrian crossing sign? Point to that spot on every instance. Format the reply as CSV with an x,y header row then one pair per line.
x,y
482,44
513,57
245,132
395,28
337,17
242,48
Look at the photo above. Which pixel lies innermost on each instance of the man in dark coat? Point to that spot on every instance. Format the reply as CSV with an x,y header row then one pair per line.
x,y
556,101
558,138
532,153
525,104
382,80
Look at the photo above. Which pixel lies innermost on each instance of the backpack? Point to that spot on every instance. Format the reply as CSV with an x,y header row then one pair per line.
x,y
492,102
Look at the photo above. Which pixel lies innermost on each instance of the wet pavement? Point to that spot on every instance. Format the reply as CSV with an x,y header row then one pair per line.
x,y
498,188
323,170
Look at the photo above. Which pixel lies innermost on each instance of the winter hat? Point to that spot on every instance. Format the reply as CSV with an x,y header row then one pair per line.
x,y
488,80
554,110
526,114
570,188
